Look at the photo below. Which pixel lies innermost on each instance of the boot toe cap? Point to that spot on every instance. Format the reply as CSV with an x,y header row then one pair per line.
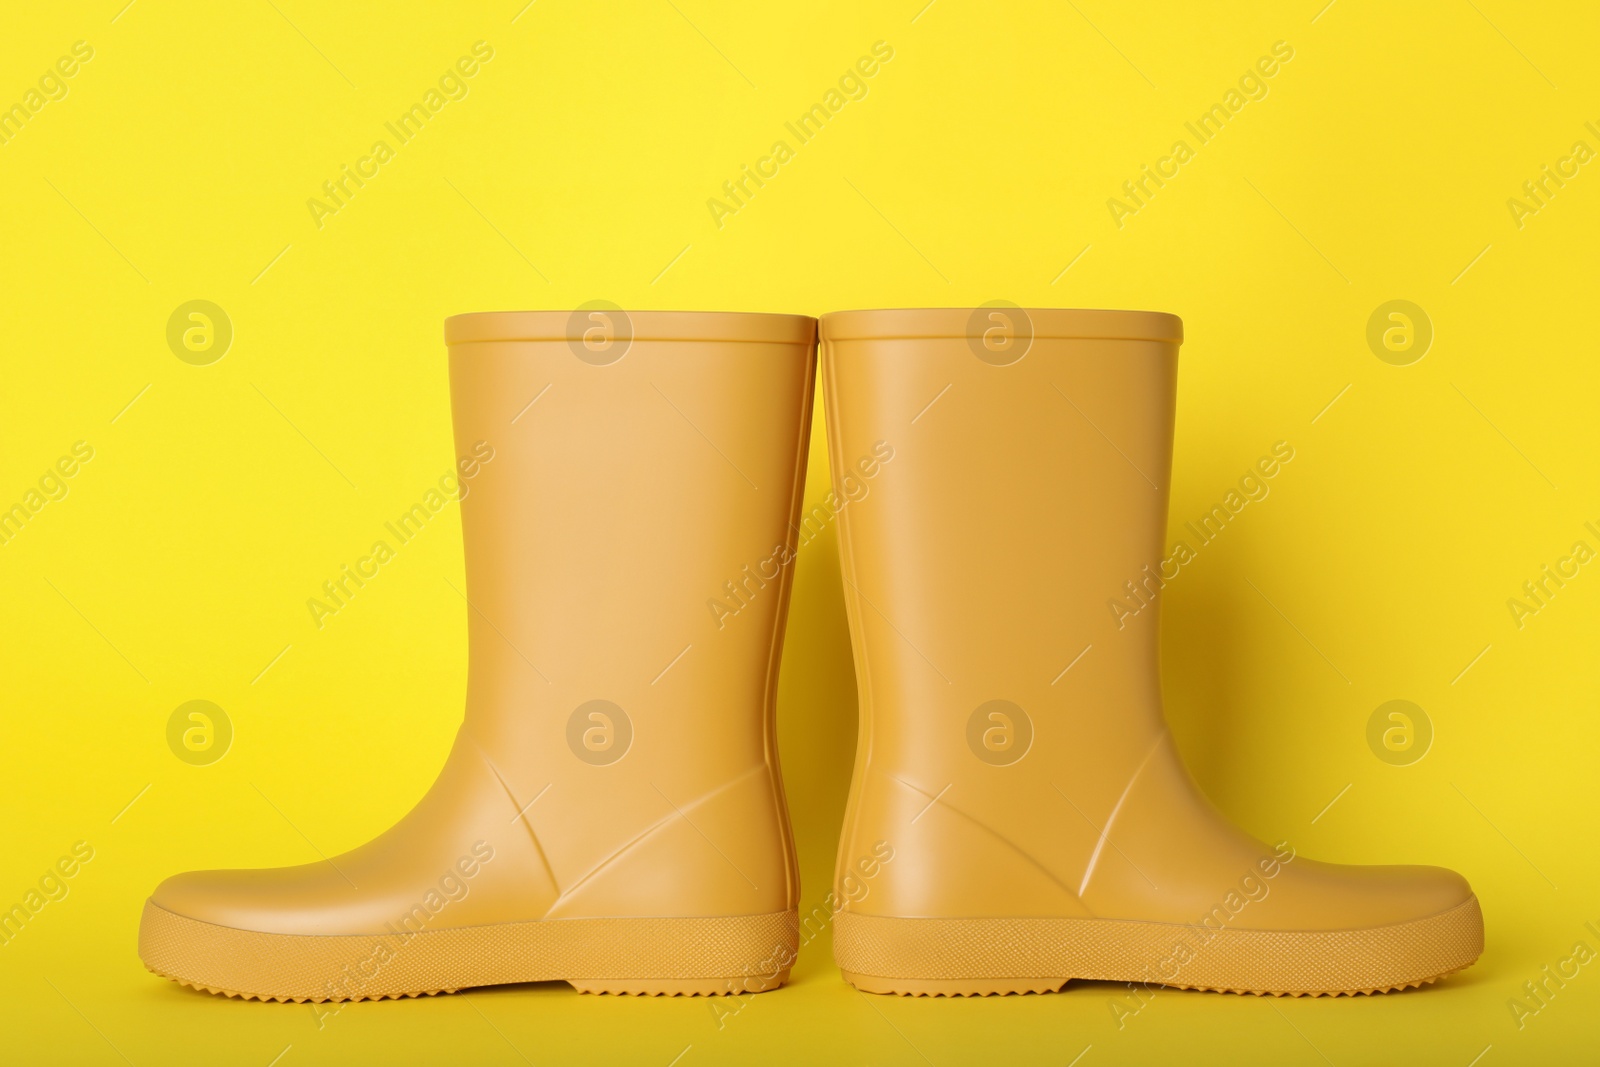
x,y
1340,896
279,900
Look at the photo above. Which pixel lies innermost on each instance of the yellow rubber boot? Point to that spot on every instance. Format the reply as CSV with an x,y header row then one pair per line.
x,y
611,813
1013,758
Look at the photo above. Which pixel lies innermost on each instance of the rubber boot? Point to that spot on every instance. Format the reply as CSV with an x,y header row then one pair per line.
x,y
1013,758
611,813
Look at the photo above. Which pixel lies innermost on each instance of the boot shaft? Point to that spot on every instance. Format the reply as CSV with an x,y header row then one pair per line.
x,y
1029,489
629,548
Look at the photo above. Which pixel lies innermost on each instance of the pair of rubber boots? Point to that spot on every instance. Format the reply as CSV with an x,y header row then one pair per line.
x,y
612,813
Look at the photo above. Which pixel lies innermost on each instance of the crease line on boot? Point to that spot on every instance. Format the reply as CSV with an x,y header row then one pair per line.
x,y
996,835
1116,809
653,828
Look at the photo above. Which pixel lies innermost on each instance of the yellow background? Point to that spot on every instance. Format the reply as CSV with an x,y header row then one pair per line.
x,y
977,167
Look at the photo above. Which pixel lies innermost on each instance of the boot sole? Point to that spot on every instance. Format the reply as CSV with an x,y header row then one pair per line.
x,y
982,957
714,956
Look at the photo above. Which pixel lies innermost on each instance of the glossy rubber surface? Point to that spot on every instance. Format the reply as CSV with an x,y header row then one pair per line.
x,y
1012,747
617,759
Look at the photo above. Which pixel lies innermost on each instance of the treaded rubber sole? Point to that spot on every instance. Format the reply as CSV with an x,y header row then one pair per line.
x,y
983,957
712,956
